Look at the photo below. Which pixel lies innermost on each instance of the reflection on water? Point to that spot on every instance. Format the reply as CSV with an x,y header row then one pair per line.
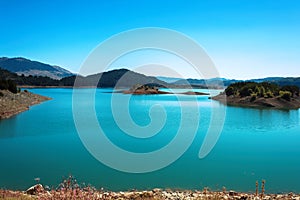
x,y
8,127
262,119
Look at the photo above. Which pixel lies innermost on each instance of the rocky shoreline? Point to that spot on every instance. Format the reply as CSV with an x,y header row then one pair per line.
x,y
273,103
38,192
11,104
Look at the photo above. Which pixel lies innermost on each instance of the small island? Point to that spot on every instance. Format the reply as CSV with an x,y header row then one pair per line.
x,y
144,89
260,95
150,89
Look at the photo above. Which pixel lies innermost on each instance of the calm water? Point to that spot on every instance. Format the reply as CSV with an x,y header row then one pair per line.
x,y
254,145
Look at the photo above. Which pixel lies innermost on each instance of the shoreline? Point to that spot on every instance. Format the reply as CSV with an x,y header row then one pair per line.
x,y
12,104
260,103
38,192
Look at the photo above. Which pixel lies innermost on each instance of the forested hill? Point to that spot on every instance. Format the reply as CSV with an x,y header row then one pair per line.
x,y
119,78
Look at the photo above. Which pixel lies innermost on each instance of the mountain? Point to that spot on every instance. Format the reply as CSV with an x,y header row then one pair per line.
x,y
213,82
33,73
115,78
34,68
280,80
218,82
168,79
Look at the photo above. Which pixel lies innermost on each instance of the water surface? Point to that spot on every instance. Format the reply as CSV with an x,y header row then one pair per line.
x,y
254,145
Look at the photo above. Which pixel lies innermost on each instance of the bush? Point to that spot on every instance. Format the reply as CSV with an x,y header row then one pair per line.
x,y
12,86
245,91
8,85
262,91
229,91
269,94
253,97
291,88
285,95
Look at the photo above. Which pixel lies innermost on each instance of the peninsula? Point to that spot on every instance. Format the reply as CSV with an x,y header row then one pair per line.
x,y
260,95
14,103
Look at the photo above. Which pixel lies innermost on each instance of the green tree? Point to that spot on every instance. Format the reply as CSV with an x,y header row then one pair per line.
x,y
229,91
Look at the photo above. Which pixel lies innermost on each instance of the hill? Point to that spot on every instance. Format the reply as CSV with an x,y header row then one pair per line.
x,y
114,78
34,68
211,83
27,80
220,82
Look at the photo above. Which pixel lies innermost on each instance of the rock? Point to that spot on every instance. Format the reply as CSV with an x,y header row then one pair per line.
x,y
232,193
243,198
156,190
36,189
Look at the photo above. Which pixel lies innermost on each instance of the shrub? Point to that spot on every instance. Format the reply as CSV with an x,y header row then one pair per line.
x,y
245,91
12,86
8,85
262,91
269,94
285,95
257,90
253,97
229,91
291,88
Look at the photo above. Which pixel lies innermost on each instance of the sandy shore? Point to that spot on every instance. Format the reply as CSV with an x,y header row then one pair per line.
x,y
12,104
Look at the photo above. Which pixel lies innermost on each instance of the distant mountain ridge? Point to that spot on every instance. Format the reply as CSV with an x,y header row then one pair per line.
x,y
121,78
28,67
219,82
48,75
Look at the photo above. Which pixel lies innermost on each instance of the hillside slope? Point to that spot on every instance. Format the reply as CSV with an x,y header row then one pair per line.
x,y
34,68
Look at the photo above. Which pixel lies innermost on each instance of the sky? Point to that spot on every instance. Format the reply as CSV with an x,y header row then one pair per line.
x,y
244,38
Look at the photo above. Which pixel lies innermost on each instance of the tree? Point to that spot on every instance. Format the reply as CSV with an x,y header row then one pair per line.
x,y
262,91
12,86
291,88
229,91
269,94
285,95
8,85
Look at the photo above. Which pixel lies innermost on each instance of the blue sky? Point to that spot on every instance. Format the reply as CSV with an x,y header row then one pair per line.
x,y
245,39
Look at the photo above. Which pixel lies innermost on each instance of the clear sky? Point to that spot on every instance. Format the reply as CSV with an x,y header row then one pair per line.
x,y
245,38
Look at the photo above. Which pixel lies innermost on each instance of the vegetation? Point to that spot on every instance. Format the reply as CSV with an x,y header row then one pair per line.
x,y
285,95
262,90
27,80
8,85
119,78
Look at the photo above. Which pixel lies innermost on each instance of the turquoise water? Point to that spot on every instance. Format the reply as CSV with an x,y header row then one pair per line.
x,y
254,145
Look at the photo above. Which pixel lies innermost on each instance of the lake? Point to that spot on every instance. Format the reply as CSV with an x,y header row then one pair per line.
x,y
254,144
